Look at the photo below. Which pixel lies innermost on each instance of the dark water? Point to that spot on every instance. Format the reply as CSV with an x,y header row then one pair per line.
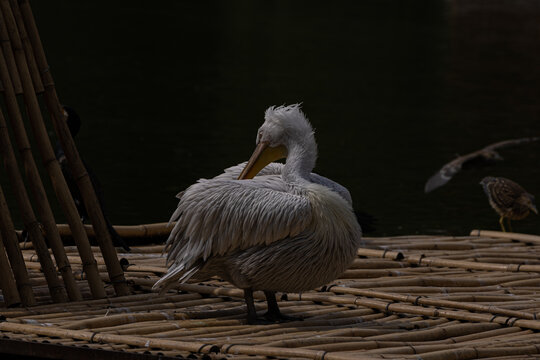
x,y
173,91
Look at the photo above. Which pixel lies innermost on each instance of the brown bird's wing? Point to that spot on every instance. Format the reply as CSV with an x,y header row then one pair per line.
x,y
511,142
450,169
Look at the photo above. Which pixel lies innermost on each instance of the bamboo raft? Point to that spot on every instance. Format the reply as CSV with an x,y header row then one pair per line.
x,y
409,297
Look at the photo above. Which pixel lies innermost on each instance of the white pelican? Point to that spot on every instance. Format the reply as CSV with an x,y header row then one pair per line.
x,y
273,232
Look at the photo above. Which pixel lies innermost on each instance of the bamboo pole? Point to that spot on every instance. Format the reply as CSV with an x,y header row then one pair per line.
x,y
527,238
95,337
28,216
30,58
78,170
7,281
29,219
10,59
127,231
14,253
59,185
423,300
34,181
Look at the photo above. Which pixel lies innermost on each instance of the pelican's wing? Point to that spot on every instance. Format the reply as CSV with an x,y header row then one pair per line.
x,y
218,217
332,185
511,142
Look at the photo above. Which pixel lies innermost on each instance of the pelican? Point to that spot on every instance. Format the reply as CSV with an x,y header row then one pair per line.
x,y
279,231
487,153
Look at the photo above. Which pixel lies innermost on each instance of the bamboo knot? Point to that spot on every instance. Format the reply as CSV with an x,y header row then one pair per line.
x,y
321,356
511,321
225,348
213,348
327,289
118,279
49,161
91,341
82,175
65,268
387,307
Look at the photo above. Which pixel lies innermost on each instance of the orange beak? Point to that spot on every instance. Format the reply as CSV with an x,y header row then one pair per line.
x,y
263,155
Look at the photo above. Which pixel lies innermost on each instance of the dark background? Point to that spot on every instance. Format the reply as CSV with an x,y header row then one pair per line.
x,y
173,91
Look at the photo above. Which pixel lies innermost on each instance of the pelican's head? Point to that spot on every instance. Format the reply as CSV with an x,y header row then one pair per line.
x,y
284,128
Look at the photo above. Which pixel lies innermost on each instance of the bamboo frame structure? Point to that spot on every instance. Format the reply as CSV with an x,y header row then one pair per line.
x,y
40,198
24,76
28,216
59,185
70,150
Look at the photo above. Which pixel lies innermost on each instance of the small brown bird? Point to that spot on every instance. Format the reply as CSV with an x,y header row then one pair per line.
x,y
508,198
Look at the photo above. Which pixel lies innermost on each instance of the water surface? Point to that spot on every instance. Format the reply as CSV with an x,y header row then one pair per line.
x,y
173,91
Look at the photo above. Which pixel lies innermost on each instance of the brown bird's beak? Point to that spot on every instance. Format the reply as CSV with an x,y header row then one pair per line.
x,y
533,208
263,155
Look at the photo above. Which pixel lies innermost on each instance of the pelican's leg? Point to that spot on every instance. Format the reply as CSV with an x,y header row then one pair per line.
x,y
501,221
273,313
251,311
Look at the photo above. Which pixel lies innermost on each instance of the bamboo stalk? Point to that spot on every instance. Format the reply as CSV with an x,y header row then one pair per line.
x,y
7,281
156,230
30,59
385,254
422,300
527,238
78,170
54,172
14,253
10,59
35,184
94,337
27,213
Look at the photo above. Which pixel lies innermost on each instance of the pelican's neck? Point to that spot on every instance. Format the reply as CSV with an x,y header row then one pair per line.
x,y
301,157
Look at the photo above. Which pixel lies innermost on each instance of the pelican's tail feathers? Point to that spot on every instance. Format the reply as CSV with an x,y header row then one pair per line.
x,y
175,275
175,216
